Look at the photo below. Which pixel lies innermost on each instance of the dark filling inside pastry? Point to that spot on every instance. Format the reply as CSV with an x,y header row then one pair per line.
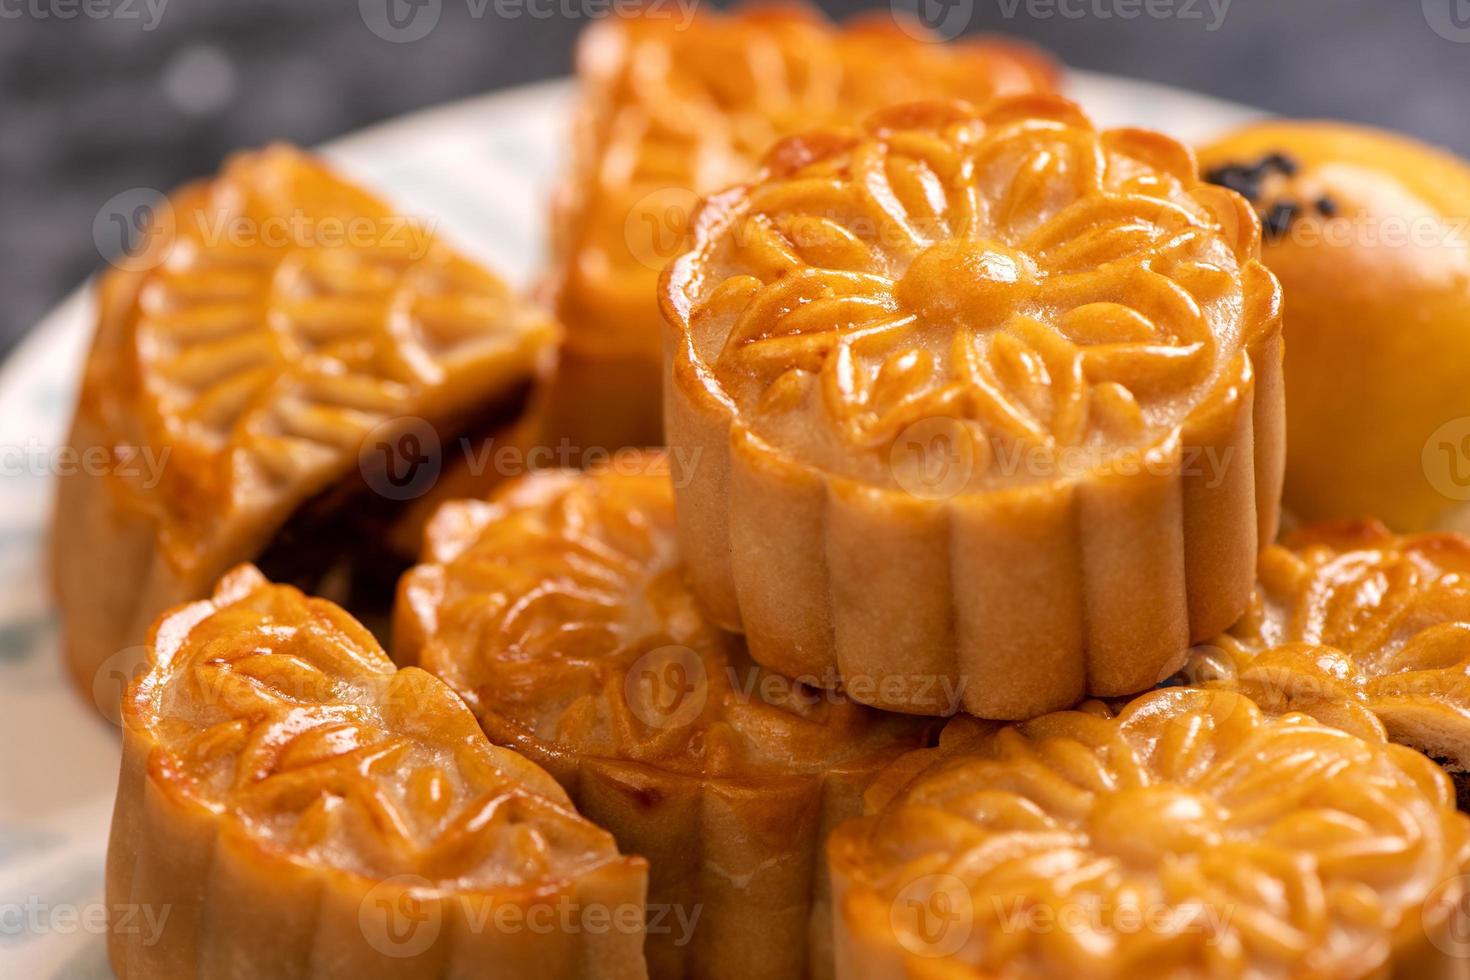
x,y
341,544
1461,780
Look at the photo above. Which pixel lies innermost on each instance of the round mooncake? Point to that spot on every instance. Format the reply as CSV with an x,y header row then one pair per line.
x,y
979,402
1188,835
558,610
293,807
1363,629
671,109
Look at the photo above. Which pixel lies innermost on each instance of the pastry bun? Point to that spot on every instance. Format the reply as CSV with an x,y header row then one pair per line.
x,y
1369,234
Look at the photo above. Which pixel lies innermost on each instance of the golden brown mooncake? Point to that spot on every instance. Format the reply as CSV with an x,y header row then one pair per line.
x,y
299,808
979,400
559,612
1190,835
669,111
295,363
1367,232
1360,628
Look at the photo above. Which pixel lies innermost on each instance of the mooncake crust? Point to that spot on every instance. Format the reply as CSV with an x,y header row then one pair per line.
x,y
1249,845
557,609
304,809
669,111
279,318
949,280
1360,628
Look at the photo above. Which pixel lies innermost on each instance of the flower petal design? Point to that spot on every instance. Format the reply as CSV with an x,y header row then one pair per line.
x,y
278,318
673,110
303,808
558,610
1189,834
1360,627
1029,369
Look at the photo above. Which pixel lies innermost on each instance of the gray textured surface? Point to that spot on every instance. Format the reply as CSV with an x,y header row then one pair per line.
x,y
149,96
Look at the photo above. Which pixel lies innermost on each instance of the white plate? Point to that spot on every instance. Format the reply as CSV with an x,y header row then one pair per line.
x,y
482,168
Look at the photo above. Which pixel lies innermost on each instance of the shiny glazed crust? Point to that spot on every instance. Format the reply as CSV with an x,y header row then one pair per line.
x,y
1374,258
1189,835
1115,408
278,317
669,111
1362,629
303,809
558,611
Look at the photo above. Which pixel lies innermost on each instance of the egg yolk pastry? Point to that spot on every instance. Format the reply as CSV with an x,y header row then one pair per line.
x,y
1189,835
1368,233
669,111
294,806
279,376
985,405
1363,629
558,610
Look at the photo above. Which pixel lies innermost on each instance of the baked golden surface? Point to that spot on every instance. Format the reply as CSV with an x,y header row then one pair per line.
x,y
1367,232
1188,835
957,339
279,319
558,610
1360,628
670,112
290,796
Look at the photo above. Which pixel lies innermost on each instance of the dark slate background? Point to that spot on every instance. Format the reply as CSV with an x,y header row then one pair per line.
x,y
97,96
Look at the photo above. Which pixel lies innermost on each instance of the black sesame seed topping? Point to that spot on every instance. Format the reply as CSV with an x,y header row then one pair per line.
x,y
1278,219
1281,163
1326,206
1243,180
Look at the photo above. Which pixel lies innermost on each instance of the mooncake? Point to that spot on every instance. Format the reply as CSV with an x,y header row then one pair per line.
x,y
558,610
284,373
1190,834
1368,233
671,110
1360,628
293,806
983,400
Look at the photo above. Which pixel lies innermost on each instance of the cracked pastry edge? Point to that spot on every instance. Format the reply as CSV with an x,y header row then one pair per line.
x,y
840,583
242,906
747,851
101,522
